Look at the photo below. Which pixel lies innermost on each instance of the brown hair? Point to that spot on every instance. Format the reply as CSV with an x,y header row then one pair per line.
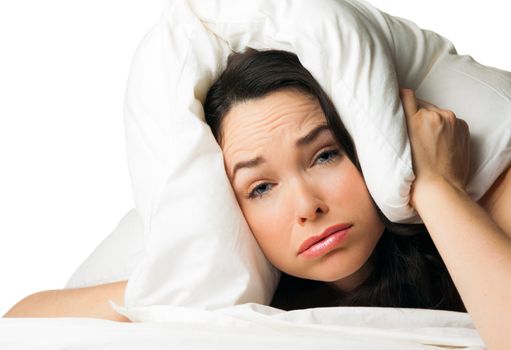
x,y
408,270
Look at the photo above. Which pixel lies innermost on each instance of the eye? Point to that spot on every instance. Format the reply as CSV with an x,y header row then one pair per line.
x,y
328,156
324,157
258,191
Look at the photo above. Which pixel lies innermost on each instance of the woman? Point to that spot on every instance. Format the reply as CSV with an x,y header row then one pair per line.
x,y
292,187
260,104
295,173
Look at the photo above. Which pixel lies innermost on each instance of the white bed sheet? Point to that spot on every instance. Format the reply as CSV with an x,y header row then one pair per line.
x,y
249,326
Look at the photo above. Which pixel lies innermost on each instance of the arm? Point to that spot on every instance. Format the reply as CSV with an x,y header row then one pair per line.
x,y
475,249
477,254
78,302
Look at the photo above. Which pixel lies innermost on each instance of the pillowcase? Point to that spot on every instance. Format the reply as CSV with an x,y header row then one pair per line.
x,y
199,251
479,94
115,258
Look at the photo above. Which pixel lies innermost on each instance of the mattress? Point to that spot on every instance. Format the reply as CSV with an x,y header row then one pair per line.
x,y
250,326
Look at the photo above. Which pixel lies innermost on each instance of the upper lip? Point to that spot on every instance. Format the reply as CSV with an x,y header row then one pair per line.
x,y
312,240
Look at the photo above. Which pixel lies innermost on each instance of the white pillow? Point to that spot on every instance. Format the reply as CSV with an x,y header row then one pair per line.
x,y
115,258
481,95
199,250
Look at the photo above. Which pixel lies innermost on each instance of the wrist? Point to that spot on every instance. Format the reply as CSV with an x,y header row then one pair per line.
x,y
424,188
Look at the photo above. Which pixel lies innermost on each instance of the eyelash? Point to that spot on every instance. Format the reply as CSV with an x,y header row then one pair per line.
x,y
335,152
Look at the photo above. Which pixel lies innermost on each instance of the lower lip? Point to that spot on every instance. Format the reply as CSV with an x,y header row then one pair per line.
x,y
326,245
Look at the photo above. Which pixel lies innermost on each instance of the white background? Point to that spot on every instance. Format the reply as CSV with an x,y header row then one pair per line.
x,y
64,181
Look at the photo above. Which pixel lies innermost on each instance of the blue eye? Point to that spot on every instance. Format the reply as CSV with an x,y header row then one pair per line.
x,y
327,156
255,192
330,155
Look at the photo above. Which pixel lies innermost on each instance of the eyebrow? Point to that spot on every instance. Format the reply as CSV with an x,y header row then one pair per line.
x,y
301,142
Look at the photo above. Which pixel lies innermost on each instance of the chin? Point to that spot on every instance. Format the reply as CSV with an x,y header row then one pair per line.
x,y
332,277
322,274
336,270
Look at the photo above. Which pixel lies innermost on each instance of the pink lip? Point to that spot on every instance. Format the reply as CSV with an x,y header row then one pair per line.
x,y
311,241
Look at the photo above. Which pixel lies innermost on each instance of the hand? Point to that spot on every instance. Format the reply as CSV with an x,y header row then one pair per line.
x,y
440,143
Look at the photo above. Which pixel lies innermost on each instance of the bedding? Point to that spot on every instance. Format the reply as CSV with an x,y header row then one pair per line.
x,y
249,326
115,258
360,55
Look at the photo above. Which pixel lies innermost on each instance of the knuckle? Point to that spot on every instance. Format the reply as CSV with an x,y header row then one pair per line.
x,y
464,124
450,114
421,112
433,114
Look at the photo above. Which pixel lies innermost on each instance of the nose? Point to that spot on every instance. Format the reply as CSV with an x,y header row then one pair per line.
x,y
309,203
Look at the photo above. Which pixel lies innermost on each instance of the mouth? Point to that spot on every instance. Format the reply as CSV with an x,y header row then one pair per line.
x,y
321,244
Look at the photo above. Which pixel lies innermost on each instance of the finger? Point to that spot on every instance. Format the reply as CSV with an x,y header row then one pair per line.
x,y
464,126
464,123
409,103
448,115
426,104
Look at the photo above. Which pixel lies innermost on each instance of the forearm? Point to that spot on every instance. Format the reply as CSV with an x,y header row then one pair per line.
x,y
477,254
79,302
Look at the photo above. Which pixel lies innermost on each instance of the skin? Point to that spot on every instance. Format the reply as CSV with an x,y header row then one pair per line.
x,y
300,190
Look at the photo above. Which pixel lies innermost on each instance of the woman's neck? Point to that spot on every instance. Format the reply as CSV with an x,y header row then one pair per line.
x,y
347,284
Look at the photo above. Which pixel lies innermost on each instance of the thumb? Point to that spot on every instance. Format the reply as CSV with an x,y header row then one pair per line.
x,y
409,102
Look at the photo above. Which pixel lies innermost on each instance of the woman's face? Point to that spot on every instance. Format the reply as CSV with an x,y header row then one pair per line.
x,y
297,190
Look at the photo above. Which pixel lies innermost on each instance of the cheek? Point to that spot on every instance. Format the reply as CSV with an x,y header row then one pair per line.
x,y
346,184
270,225
351,196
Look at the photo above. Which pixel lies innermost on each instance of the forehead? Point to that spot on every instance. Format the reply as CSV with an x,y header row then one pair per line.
x,y
280,114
